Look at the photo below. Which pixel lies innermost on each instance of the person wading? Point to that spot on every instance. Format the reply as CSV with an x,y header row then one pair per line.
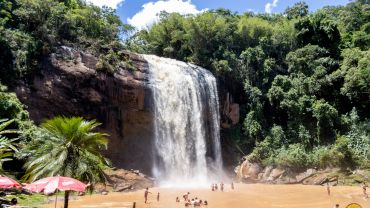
x,y
364,187
146,194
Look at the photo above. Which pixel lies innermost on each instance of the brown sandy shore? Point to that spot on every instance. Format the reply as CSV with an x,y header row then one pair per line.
x,y
244,196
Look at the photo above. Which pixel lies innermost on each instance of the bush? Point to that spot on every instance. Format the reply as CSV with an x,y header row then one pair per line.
x,y
261,152
324,156
293,157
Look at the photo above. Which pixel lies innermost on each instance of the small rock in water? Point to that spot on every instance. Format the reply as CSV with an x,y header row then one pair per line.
x,y
123,187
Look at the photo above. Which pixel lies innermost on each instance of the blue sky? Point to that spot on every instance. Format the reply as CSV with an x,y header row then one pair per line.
x,y
133,12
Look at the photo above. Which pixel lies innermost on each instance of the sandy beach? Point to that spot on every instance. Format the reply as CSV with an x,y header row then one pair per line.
x,y
243,196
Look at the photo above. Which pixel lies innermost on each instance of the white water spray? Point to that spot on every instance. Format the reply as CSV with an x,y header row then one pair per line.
x,y
187,123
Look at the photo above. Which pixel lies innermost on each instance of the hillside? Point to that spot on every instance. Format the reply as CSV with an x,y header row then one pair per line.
x,y
300,81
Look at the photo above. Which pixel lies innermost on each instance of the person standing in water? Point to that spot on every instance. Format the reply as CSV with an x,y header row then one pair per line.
x,y
158,197
328,188
146,194
364,187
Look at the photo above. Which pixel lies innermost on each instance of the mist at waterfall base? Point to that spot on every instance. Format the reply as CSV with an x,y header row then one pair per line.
x,y
187,150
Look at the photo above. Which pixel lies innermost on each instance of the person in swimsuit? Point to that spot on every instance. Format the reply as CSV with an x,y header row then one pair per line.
x,y
146,194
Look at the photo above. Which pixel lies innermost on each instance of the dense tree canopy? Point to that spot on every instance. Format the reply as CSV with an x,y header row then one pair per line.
x,y
298,76
31,29
302,79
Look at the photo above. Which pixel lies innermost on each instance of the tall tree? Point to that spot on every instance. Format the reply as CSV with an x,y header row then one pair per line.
x,y
299,9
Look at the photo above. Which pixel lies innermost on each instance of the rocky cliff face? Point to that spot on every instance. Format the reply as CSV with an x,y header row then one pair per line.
x,y
69,85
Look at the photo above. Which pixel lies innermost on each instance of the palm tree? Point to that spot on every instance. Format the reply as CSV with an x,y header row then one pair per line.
x,y
6,145
71,149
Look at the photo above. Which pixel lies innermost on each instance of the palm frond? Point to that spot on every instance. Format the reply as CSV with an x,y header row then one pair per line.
x,y
70,149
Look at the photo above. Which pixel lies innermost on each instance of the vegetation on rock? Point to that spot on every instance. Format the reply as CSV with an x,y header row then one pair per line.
x,y
301,78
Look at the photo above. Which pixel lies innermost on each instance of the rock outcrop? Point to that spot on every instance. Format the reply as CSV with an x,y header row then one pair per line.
x,y
249,172
70,85
120,180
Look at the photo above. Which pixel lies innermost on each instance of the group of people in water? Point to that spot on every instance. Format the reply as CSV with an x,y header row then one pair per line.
x,y
215,186
195,202
188,202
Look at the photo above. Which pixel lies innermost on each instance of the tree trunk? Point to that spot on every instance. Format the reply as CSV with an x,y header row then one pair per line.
x,y
66,198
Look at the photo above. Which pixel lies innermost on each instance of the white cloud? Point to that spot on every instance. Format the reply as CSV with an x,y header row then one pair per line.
x,y
149,13
270,6
110,3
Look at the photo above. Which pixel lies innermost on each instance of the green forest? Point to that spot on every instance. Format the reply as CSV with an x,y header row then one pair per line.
x,y
302,79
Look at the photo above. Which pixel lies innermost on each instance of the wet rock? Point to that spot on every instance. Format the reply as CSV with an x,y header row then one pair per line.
x,y
275,174
122,187
267,172
286,180
302,176
234,113
248,171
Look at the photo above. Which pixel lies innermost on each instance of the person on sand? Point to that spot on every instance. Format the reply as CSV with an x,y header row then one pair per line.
x,y
213,187
216,187
177,199
146,194
336,206
222,186
158,197
328,188
205,203
364,187
232,185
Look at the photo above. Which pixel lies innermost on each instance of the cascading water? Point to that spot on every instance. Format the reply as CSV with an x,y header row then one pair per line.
x,y
186,120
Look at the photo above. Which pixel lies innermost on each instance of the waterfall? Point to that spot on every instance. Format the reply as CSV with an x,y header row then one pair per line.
x,y
187,147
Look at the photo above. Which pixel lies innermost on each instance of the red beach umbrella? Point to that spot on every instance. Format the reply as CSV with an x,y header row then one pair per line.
x,y
8,183
51,184
58,183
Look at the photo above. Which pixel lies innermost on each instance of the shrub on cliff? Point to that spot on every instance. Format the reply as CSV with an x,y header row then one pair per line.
x,y
32,29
